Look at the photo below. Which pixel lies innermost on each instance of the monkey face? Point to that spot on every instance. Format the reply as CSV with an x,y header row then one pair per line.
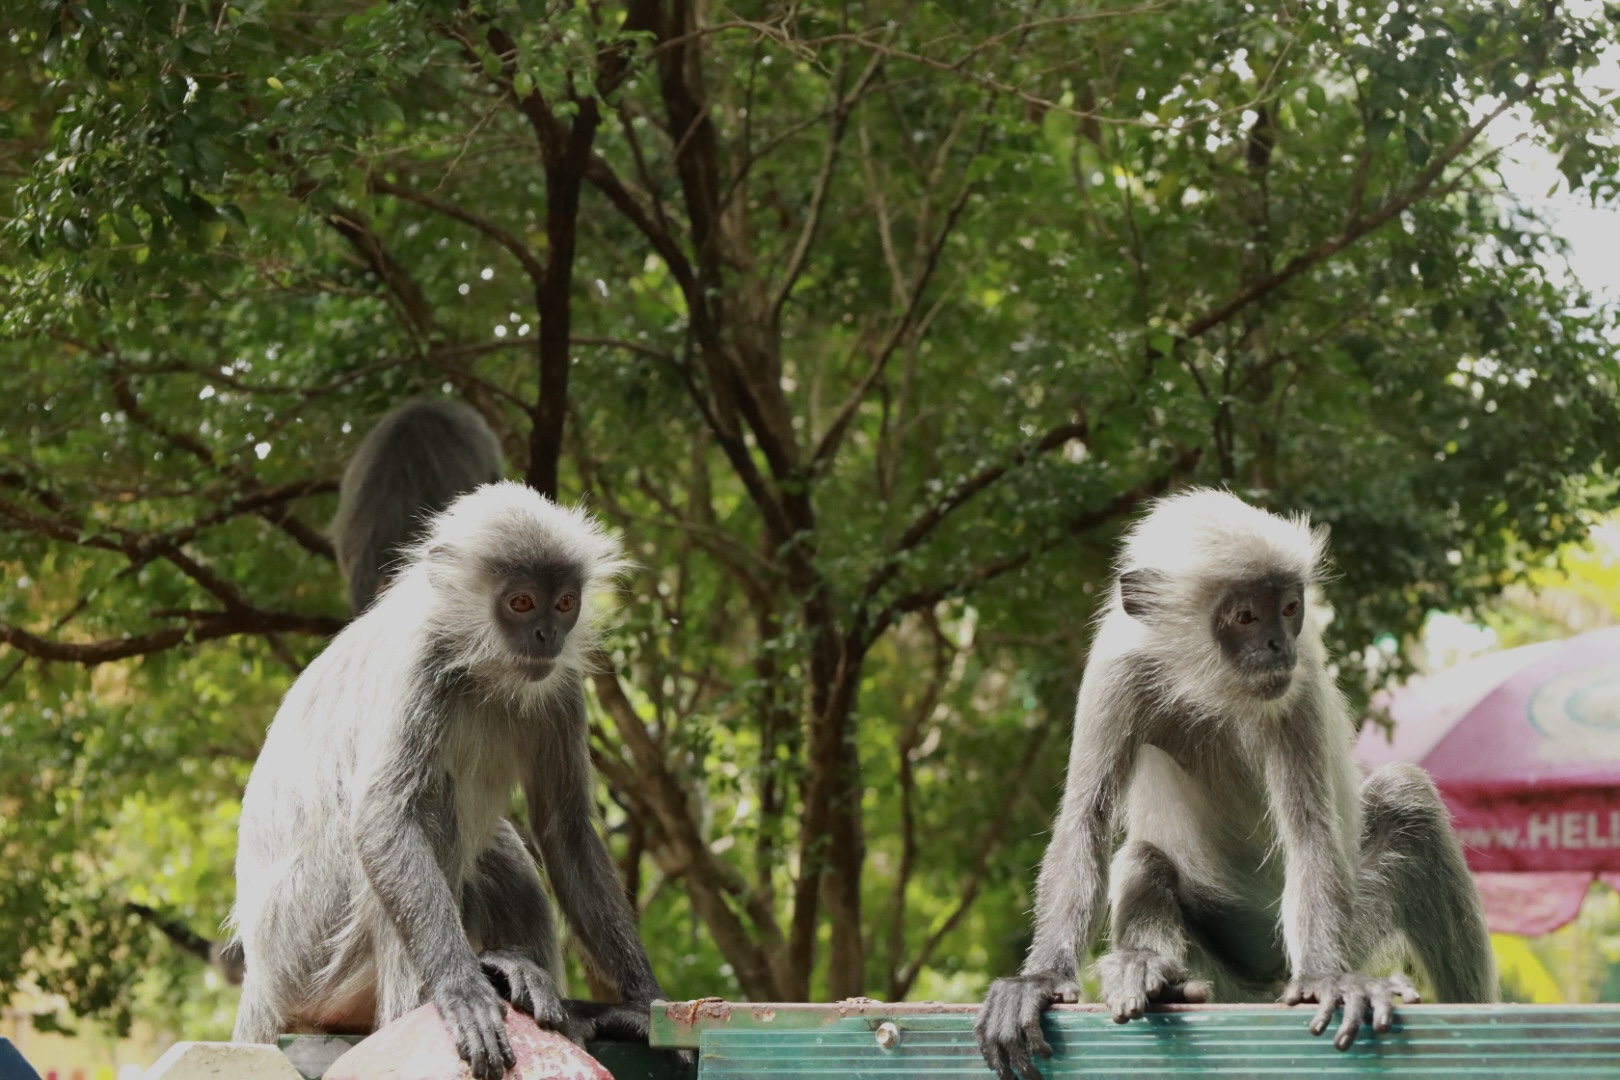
x,y
536,607
1257,624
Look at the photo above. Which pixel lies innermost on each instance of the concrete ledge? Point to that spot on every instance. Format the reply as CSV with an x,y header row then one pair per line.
x,y
222,1061
312,1055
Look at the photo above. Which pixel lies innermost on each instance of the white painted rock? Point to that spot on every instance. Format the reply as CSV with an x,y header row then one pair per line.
x,y
418,1046
222,1061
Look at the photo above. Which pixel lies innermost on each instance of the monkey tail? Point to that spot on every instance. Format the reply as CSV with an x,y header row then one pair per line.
x,y
410,466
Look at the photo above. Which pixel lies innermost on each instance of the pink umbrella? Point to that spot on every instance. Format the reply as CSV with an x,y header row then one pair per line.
x,y
1525,747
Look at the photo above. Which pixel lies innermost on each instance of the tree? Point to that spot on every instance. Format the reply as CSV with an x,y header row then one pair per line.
x,y
869,327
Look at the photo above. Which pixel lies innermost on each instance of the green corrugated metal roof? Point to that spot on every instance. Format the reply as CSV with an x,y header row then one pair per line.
x,y
787,1041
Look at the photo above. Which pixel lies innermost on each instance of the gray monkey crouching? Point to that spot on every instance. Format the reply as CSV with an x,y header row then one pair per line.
x,y
408,467
1254,863
376,869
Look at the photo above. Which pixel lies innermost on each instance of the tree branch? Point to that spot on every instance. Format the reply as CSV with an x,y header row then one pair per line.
x,y
931,518
989,844
1357,227
1120,505
209,626
823,184
709,879
515,246
834,435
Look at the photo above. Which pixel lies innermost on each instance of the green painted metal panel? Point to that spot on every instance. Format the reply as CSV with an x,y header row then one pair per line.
x,y
789,1041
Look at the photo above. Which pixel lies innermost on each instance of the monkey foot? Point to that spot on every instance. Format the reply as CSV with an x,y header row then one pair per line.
x,y
1360,995
1133,979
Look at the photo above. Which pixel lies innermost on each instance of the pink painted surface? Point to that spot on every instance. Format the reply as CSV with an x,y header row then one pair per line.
x,y
1525,748
417,1046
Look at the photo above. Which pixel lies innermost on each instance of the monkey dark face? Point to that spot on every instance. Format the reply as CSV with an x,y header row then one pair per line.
x,y
536,607
1257,624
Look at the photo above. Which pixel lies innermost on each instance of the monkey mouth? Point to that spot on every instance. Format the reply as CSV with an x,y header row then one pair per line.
x,y
1271,685
536,668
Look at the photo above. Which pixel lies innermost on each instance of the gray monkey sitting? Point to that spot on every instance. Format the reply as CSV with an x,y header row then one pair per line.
x,y
375,866
1210,727
407,468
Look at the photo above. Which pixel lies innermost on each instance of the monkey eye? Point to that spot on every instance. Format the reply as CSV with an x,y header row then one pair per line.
x,y
1244,618
1291,610
522,603
567,602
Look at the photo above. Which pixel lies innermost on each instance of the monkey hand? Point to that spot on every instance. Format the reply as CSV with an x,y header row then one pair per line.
x,y
1134,978
1359,994
531,989
1009,1023
477,1021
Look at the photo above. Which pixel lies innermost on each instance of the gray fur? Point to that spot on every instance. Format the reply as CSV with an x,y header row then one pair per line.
x,y
376,869
1254,865
409,467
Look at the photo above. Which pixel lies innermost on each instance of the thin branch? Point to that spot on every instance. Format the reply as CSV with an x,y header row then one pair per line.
x,y
209,626
1120,505
989,844
1354,230
515,246
835,432
823,184
931,518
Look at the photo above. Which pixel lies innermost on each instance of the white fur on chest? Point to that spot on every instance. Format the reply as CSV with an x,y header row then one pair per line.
x,y
1221,836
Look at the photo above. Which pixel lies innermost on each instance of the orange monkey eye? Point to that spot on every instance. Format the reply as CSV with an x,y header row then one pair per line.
x,y
567,602
1291,610
1244,618
522,603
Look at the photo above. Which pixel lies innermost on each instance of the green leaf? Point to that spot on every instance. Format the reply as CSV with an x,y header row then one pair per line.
x,y
1417,147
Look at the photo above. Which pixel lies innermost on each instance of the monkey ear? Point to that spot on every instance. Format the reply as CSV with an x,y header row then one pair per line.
x,y
439,559
1140,592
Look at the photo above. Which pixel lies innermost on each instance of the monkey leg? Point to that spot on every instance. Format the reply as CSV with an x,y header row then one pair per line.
x,y
504,906
1147,958
509,922
257,1020
1414,882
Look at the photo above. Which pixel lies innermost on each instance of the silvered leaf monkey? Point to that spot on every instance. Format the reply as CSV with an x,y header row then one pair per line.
x,y
1253,863
376,868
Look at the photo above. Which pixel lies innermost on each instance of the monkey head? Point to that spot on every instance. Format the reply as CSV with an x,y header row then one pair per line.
x,y
1218,589
1257,625
536,607
517,583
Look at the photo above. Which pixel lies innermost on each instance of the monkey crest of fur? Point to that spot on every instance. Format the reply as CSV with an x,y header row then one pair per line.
x,y
1196,545
461,556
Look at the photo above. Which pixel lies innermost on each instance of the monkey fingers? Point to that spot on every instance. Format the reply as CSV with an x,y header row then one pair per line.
x,y
1009,1024
529,987
1133,978
477,1021
1358,994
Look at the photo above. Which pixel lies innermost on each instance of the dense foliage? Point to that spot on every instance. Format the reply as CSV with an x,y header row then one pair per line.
x,y
869,325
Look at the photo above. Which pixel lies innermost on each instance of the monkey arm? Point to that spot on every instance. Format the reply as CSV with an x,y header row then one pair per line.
x,y
401,810
1318,882
1073,883
1317,886
1072,888
562,819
